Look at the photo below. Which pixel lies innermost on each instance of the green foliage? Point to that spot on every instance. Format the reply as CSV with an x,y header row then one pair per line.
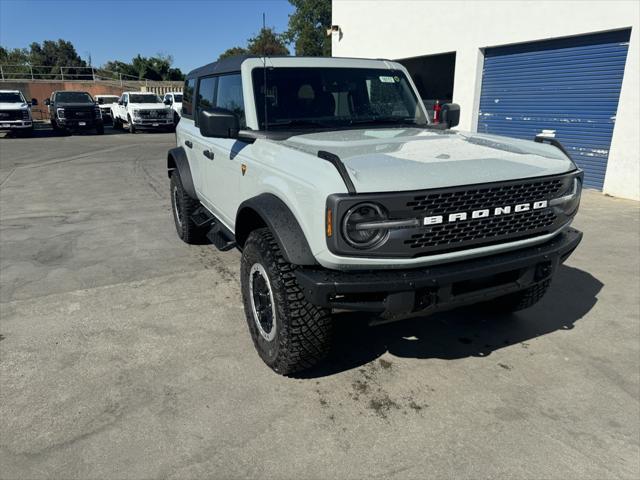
x,y
267,42
232,52
149,68
51,55
308,27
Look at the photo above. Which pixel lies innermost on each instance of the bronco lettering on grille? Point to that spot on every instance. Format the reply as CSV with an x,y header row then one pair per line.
x,y
485,212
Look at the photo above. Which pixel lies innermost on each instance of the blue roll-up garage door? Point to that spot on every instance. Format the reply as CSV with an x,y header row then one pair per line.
x,y
569,85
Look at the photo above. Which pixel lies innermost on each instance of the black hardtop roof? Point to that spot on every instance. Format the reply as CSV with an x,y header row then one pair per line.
x,y
232,64
226,65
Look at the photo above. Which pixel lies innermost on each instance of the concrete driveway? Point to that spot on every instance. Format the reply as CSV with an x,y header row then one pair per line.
x,y
125,353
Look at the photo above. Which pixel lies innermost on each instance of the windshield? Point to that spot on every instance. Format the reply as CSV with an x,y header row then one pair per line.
x,y
103,100
73,97
334,97
177,98
144,98
11,97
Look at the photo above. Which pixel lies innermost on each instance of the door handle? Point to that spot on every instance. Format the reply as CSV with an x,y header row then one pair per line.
x,y
208,154
188,144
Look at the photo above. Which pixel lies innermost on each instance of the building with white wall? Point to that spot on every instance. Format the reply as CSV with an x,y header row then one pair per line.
x,y
517,67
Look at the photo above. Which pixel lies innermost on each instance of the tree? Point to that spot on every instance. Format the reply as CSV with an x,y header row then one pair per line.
x,y
267,42
308,27
232,52
149,68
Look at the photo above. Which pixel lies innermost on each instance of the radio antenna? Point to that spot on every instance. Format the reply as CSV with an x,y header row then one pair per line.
x,y
264,71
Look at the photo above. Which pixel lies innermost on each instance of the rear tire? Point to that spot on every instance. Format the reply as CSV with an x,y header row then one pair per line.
x,y
519,300
100,130
289,333
183,206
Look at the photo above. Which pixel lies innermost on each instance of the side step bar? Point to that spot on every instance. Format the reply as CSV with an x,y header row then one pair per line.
x,y
217,233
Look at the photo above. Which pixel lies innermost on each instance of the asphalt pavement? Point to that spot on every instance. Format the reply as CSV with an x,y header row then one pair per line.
x,y
124,353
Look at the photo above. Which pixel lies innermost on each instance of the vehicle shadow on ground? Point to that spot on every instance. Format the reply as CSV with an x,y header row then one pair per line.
x,y
466,332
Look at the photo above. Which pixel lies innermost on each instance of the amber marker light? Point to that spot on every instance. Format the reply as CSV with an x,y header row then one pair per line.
x,y
329,222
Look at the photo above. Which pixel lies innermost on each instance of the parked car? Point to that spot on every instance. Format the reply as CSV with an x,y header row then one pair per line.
x,y
342,196
106,103
74,110
15,113
141,111
174,100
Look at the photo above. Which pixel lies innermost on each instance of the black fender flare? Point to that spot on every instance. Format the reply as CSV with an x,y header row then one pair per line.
x,y
177,160
267,209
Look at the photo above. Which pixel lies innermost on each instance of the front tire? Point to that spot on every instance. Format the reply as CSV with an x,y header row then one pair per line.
x,y
183,206
100,130
132,129
289,333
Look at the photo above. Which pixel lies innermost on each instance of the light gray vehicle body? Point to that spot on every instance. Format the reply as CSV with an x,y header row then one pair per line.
x,y
377,160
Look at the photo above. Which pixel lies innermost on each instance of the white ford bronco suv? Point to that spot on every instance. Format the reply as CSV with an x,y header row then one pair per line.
x,y
15,113
328,177
141,111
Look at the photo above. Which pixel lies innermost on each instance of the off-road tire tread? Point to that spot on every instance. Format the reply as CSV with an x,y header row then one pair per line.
x,y
305,329
189,232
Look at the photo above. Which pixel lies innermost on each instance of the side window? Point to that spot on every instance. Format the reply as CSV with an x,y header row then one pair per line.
x,y
229,95
187,97
206,94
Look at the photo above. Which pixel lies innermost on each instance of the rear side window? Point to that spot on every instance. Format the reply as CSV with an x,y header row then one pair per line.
x,y
229,95
187,104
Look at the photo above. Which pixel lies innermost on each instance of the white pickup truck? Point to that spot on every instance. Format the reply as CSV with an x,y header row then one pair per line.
x,y
106,104
174,100
141,111
15,113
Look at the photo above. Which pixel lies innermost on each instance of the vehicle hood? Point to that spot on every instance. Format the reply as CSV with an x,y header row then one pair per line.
x,y
382,160
13,106
147,106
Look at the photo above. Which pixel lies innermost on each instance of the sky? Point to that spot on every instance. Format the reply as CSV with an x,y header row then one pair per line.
x,y
193,32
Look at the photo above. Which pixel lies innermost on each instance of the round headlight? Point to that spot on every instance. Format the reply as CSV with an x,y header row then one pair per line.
x,y
358,225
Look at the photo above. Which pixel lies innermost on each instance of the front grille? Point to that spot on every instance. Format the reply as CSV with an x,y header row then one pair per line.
x,y
76,113
8,115
483,231
152,114
459,218
476,198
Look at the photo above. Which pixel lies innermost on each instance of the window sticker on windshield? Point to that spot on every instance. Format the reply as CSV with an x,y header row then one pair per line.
x,y
385,79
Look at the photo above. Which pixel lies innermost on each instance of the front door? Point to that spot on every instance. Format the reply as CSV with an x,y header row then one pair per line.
x,y
221,163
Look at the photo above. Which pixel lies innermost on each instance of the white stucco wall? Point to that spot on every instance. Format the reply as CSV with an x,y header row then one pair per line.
x,y
398,29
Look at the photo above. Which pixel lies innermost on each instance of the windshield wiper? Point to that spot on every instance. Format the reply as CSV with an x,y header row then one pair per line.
x,y
383,120
301,122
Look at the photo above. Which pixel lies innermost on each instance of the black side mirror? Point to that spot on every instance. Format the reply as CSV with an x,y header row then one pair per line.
x,y
167,101
34,102
47,102
219,122
450,114
119,102
100,101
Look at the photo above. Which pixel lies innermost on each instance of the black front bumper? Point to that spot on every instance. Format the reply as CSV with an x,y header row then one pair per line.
x,y
89,123
398,293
